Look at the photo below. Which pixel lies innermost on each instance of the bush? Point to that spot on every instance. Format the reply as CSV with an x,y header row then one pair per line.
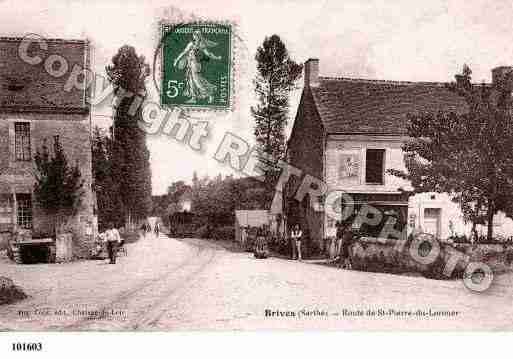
x,y
10,293
482,239
509,257
313,249
280,245
202,232
224,233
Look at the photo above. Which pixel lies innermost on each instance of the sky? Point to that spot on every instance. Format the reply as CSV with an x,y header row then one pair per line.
x,y
392,40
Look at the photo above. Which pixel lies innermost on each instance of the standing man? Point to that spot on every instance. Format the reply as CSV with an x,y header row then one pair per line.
x,y
157,229
296,236
244,237
113,240
341,228
347,241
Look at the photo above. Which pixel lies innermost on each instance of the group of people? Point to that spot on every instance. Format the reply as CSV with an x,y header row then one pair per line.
x,y
146,228
344,240
113,240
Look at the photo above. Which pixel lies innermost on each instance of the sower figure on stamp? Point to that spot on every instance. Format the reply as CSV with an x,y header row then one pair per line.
x,y
196,86
296,236
113,239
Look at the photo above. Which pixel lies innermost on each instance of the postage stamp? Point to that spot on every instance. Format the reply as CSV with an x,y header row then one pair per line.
x,y
196,65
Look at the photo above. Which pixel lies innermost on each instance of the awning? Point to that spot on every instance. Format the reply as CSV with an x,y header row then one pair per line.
x,y
379,199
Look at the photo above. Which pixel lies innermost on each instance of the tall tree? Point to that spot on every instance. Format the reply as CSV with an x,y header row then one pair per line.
x,y
130,156
468,155
276,76
59,186
106,187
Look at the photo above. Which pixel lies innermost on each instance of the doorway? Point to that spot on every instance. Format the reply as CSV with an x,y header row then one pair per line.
x,y
432,221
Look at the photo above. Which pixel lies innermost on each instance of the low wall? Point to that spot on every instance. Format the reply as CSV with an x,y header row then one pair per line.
x,y
482,250
64,248
394,256
498,256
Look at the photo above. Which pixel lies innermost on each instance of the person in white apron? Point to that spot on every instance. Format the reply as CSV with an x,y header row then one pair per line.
x,y
113,240
296,236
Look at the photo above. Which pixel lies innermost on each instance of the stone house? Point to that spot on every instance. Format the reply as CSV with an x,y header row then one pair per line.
x,y
348,133
36,107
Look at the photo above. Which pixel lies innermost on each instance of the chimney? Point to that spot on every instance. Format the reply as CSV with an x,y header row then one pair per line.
x,y
312,73
499,74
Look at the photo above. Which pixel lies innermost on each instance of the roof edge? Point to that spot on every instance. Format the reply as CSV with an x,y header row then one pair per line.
x,y
391,82
51,40
43,109
369,133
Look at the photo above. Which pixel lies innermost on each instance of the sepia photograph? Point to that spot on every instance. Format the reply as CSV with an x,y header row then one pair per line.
x,y
175,166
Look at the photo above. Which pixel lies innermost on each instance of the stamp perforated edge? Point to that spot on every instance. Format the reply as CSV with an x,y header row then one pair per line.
x,y
234,68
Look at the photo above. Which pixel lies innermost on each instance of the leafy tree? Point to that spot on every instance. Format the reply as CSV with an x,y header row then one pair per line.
x,y
58,186
276,77
106,187
171,209
195,179
130,156
467,155
176,191
216,200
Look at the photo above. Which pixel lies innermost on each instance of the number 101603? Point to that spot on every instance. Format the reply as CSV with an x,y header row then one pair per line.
x,y
27,347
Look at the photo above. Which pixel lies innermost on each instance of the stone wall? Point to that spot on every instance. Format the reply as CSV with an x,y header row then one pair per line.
x,y
74,134
393,256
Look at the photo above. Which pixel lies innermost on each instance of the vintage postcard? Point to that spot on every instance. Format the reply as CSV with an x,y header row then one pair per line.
x,y
189,165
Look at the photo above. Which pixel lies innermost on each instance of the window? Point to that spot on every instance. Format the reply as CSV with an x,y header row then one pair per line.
x,y
374,166
22,141
24,202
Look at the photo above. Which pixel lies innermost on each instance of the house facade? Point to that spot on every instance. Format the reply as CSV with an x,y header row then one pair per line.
x,y
35,108
348,133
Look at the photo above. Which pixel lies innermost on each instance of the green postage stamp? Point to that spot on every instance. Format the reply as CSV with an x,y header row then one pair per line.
x,y
196,65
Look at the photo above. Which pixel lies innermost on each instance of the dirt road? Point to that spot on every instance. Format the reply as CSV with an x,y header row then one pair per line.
x,y
170,284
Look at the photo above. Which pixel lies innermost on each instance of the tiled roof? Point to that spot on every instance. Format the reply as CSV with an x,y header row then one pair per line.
x,y
378,107
26,87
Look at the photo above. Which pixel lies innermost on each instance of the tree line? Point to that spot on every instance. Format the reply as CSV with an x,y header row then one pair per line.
x,y
213,200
